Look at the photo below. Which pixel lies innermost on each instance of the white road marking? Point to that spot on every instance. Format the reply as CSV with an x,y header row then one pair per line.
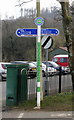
x,y
69,114
61,115
21,115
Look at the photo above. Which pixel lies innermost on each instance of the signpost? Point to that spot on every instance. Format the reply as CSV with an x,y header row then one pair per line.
x,y
39,21
32,32
29,32
47,43
49,31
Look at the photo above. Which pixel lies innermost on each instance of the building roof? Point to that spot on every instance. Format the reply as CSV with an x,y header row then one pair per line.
x,y
64,48
61,56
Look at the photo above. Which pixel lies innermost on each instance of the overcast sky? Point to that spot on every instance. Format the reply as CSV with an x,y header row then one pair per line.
x,y
7,7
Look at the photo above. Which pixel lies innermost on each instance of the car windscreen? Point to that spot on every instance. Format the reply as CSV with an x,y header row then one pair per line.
x,y
54,64
48,64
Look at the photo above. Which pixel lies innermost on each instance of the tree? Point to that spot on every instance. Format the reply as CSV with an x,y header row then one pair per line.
x,y
11,43
67,20
73,45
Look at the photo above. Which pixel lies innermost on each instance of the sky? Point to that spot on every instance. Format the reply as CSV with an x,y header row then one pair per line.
x,y
7,7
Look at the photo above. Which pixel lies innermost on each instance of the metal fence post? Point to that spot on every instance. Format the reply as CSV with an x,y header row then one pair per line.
x,y
60,79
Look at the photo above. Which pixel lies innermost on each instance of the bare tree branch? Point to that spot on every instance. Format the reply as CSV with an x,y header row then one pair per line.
x,y
23,3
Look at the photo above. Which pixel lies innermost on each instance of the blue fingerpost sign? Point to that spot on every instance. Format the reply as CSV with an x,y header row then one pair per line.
x,y
32,32
25,32
49,31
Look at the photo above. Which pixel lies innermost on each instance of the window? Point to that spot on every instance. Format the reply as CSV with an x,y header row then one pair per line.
x,y
55,59
63,60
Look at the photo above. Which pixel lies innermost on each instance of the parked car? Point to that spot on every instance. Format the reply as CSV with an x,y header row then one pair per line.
x,y
3,70
64,70
31,72
43,68
52,64
19,62
61,60
51,71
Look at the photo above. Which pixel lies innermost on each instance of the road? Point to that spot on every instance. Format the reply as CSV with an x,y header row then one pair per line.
x,y
37,114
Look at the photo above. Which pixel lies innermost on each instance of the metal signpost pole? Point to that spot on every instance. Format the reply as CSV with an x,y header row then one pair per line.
x,y
46,81
38,54
47,42
39,63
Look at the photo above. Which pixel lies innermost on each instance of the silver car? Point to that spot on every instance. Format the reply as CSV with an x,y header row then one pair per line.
x,y
3,70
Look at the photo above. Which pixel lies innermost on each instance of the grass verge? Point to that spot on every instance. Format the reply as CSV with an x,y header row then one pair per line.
x,y
59,102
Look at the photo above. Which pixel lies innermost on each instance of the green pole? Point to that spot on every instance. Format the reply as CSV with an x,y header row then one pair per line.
x,y
39,63
38,54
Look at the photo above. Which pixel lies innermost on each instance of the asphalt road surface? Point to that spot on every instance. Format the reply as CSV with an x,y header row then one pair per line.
x,y
36,114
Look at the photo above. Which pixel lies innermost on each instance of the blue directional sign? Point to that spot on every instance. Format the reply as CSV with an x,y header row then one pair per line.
x,y
50,31
25,32
32,32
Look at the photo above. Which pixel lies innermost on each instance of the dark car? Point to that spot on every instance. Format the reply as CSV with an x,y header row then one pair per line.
x,y
32,71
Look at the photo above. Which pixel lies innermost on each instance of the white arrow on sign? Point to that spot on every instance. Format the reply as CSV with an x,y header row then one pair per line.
x,y
47,42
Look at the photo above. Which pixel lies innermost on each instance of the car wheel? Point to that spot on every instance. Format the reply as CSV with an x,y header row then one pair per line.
x,y
3,78
0,78
43,74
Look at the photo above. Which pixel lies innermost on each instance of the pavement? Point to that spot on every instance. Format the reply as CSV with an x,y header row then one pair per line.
x,y
15,113
35,113
8,113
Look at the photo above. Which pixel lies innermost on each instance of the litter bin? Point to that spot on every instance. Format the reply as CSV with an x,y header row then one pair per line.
x,y
16,86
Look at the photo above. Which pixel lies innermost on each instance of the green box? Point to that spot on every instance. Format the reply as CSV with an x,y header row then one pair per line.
x,y
16,87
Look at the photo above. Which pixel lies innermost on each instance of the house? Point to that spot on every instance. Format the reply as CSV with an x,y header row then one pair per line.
x,y
58,51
